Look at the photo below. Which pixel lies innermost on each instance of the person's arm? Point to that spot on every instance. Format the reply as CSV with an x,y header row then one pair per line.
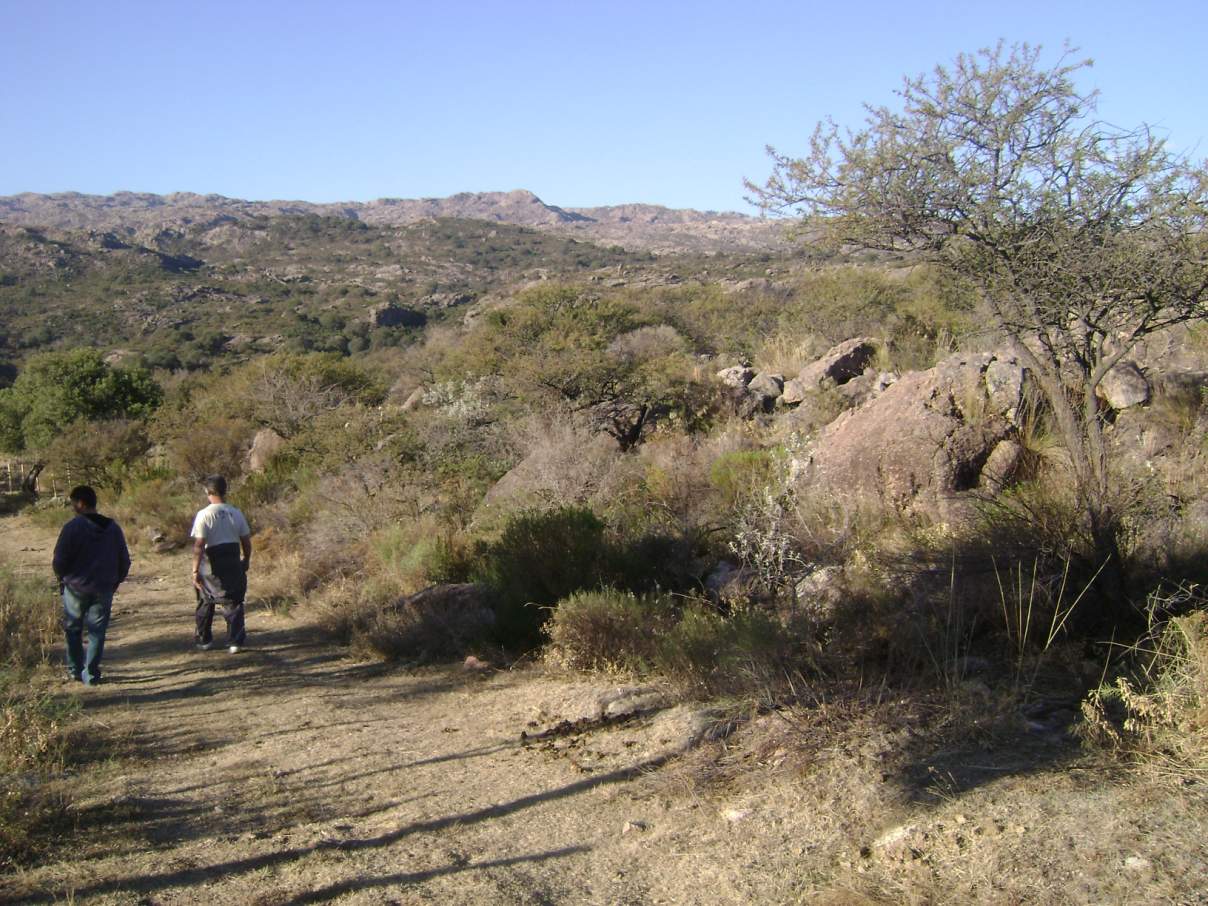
x,y
64,553
123,557
199,551
245,542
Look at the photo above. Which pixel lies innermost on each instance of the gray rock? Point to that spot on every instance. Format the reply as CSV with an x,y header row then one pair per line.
x,y
413,400
1124,386
1005,384
767,384
839,365
821,593
739,376
265,445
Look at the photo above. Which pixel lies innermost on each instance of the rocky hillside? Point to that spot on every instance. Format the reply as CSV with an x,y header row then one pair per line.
x,y
634,226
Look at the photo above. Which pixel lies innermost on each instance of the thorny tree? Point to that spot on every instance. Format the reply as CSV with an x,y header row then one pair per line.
x,y
1083,238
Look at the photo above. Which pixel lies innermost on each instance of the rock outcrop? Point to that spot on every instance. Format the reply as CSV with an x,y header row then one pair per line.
x,y
926,439
841,364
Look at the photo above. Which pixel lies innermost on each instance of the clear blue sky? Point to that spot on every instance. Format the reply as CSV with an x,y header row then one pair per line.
x,y
583,103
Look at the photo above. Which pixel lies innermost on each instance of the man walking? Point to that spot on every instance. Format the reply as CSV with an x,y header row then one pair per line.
x,y
91,560
222,552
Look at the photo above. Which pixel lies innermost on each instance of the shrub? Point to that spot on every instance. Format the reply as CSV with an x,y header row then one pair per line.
x,y
421,554
102,454
1157,711
712,654
33,743
539,559
55,389
438,623
160,504
608,630
217,446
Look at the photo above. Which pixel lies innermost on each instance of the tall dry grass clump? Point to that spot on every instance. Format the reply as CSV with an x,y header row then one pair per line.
x,y
1156,712
33,725
29,622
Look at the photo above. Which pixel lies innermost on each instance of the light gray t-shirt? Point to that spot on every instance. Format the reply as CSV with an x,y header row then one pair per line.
x,y
220,523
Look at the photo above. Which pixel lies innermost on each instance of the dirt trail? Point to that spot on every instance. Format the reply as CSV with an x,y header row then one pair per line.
x,y
289,773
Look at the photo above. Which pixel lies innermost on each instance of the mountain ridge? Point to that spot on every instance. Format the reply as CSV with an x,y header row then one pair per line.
x,y
634,225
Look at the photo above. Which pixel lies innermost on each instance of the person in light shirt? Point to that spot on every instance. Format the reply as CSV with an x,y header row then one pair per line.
x,y
222,553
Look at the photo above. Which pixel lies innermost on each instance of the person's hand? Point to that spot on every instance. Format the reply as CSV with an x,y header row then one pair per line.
x,y
197,582
246,564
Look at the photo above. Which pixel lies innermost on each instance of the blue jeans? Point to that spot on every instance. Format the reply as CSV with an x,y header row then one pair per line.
x,y
85,612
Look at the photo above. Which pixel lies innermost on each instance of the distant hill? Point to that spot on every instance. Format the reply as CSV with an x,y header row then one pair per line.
x,y
633,226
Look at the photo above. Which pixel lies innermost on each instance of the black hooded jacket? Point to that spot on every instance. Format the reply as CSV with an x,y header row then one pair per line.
x,y
91,555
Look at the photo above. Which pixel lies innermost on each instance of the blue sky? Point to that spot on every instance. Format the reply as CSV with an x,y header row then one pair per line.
x,y
584,104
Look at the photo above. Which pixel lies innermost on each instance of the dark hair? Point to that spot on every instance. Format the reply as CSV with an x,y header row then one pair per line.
x,y
216,485
84,495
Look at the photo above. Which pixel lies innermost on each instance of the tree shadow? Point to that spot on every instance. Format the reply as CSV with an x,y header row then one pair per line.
x,y
203,874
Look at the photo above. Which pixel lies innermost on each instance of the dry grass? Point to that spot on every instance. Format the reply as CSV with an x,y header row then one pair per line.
x,y
1156,713
29,621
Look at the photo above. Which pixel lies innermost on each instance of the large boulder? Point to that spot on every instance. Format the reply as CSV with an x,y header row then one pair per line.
x,y
925,440
840,364
1124,386
265,445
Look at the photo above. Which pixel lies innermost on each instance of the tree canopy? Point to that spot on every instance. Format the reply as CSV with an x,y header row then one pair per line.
x,y
56,389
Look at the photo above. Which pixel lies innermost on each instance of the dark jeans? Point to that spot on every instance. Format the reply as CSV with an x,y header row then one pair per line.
x,y
85,612
232,612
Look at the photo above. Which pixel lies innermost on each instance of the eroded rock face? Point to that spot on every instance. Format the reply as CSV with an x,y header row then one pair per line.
x,y
840,364
926,439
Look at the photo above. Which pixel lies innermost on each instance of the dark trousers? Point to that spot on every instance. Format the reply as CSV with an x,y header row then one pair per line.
x,y
85,612
224,582
231,612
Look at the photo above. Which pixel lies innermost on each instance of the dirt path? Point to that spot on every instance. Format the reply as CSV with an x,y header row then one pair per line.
x,y
291,773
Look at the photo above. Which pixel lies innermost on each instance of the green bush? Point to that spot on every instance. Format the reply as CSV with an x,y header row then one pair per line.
x,y
55,389
609,630
540,558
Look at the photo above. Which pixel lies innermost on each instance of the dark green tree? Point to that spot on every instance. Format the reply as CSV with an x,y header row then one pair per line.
x,y
56,389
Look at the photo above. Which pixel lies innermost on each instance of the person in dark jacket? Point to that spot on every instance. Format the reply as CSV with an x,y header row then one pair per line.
x,y
91,560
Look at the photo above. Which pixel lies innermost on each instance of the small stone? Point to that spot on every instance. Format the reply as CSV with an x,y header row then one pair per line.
x,y
735,815
633,827
1137,863
473,664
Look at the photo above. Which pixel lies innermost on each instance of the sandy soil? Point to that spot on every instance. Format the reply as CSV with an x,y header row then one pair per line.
x,y
290,773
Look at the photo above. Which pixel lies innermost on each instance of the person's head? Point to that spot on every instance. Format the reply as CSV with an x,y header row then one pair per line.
x,y
83,499
215,486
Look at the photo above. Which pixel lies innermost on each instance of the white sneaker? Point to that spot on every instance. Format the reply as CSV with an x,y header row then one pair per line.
x,y
234,649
